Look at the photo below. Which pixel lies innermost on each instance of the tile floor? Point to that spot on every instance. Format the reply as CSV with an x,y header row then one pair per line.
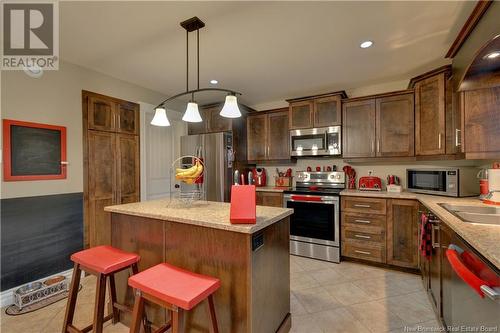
x,y
325,297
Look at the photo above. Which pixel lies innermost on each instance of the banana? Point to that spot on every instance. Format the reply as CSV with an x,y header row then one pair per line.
x,y
180,173
190,175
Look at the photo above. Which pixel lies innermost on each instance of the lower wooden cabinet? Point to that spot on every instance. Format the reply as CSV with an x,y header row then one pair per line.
x,y
380,230
273,199
402,233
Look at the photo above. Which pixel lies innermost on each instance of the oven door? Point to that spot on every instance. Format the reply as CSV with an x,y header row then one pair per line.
x,y
315,218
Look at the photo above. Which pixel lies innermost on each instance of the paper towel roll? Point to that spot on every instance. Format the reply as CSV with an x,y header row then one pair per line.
x,y
494,179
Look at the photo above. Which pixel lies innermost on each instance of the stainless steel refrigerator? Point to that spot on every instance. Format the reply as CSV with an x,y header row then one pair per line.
x,y
216,149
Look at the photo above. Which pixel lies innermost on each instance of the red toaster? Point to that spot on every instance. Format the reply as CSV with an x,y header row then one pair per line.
x,y
370,183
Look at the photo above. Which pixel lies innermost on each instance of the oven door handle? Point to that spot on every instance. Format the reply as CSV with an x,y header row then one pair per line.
x,y
305,198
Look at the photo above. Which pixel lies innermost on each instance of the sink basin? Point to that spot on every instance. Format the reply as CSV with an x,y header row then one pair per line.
x,y
474,214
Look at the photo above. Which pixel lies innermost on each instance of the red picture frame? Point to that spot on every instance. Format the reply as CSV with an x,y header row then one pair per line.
x,y
7,151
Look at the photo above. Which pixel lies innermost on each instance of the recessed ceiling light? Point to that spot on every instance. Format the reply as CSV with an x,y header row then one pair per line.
x,y
366,44
493,55
214,81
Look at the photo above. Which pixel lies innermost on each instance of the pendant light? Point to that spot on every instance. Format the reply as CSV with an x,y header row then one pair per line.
x,y
230,108
192,114
160,118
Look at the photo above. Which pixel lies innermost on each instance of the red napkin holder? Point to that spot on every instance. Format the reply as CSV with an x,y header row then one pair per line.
x,y
243,206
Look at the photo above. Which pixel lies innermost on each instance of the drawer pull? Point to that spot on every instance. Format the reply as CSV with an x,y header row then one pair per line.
x,y
362,236
363,221
362,252
362,206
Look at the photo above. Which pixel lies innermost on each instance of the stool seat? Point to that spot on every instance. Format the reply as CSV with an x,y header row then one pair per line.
x,y
174,285
105,259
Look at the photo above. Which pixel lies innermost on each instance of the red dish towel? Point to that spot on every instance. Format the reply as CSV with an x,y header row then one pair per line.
x,y
425,237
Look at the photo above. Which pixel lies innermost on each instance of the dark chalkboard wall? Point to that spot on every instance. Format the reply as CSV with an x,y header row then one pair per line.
x,y
35,151
38,236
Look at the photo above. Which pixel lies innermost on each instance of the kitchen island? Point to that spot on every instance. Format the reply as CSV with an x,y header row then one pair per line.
x,y
251,260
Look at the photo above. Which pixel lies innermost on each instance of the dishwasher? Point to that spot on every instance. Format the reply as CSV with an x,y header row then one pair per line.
x,y
473,301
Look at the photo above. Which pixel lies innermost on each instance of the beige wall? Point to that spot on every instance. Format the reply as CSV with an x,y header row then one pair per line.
x,y
55,98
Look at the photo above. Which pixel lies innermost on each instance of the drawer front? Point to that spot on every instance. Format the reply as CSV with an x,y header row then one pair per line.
x,y
363,205
366,220
364,236
366,252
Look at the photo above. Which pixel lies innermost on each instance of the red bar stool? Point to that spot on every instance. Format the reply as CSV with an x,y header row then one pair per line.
x,y
103,262
174,289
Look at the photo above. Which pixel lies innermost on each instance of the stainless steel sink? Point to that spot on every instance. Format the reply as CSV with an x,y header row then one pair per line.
x,y
474,214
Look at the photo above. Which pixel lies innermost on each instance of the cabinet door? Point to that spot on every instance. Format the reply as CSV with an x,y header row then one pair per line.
x,y
101,114
198,128
128,118
327,111
101,185
359,129
430,116
217,123
301,114
482,121
402,233
395,126
128,168
423,263
278,137
257,140
271,199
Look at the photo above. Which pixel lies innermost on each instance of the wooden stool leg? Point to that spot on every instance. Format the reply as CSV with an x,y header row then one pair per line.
x,y
178,321
73,293
100,297
137,313
112,300
145,323
213,317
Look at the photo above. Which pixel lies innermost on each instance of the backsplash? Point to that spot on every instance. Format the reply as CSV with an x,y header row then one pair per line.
x,y
362,169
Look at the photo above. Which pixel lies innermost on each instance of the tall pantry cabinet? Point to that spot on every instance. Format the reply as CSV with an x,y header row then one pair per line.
x,y
111,161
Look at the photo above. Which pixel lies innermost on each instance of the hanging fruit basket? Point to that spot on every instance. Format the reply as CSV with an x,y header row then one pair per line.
x,y
188,172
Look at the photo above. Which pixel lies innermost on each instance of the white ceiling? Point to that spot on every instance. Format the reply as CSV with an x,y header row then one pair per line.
x,y
267,50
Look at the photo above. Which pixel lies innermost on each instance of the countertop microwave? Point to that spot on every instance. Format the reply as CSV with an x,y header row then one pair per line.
x,y
452,182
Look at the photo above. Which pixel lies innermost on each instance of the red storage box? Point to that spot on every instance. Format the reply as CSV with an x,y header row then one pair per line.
x,y
243,206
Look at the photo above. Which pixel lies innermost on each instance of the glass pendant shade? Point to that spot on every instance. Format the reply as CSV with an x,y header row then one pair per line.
x,y
230,108
160,118
192,115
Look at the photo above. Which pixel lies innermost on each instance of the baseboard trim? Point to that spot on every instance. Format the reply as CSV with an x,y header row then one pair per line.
x,y
7,298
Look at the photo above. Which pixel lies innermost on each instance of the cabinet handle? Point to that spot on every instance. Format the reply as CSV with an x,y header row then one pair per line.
x,y
362,206
362,236
362,252
439,141
378,145
362,221
373,145
490,292
433,236
457,135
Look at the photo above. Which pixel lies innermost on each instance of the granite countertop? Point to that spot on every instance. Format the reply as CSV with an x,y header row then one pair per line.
x,y
483,237
270,189
202,213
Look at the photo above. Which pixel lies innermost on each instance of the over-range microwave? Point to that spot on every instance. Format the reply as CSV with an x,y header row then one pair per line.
x,y
453,182
322,141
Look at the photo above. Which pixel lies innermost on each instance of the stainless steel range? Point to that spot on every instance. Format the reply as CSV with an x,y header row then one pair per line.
x,y
315,224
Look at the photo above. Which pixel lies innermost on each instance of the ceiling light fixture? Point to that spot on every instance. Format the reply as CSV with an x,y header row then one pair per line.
x,y
160,118
492,55
192,114
366,44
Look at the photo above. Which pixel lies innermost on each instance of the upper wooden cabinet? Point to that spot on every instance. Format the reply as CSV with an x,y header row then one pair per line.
x,y
379,126
316,111
112,115
216,122
394,126
358,134
268,136
437,123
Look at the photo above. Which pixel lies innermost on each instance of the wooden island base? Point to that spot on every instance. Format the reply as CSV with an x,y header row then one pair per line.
x,y
255,279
